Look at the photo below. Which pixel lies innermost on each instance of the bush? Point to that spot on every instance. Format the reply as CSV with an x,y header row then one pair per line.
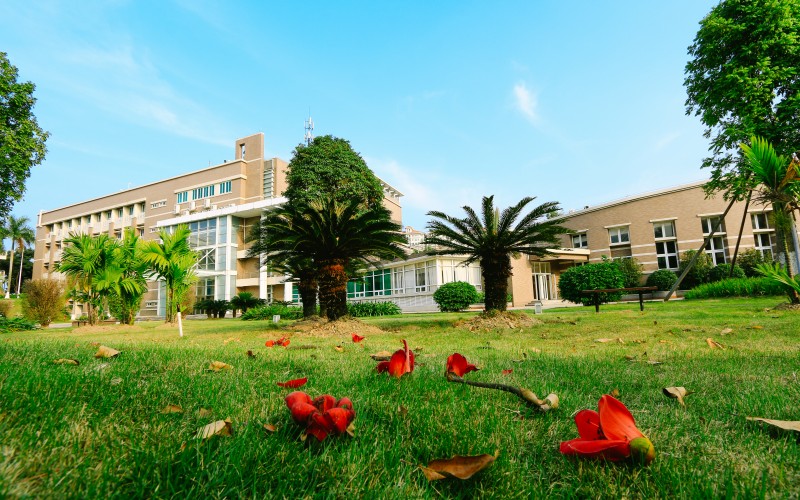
x,y
455,296
723,272
699,272
481,298
737,287
16,325
748,260
663,279
590,277
43,300
631,271
5,307
267,312
365,309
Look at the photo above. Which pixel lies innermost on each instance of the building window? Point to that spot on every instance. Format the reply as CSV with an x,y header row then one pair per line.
x,y
421,283
243,149
225,187
763,243
183,197
716,245
619,235
130,210
666,245
580,241
119,213
763,234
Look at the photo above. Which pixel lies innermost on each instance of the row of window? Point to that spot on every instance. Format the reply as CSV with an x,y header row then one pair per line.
x,y
115,214
205,192
667,245
420,277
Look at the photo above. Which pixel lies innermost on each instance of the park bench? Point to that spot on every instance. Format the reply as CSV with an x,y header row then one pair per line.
x,y
641,290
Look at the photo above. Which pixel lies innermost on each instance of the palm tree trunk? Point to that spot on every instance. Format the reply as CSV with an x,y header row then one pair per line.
x,y
308,294
10,268
21,261
333,288
496,272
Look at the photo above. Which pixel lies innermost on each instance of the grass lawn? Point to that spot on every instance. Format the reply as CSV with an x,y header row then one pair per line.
x,y
96,430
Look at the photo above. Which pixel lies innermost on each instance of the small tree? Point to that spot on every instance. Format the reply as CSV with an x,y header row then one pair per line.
x,y
173,261
699,273
663,279
455,296
43,301
631,270
749,260
597,276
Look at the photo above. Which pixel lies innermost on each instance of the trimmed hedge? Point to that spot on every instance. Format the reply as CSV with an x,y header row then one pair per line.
x,y
455,296
366,309
737,287
722,271
663,279
267,312
590,277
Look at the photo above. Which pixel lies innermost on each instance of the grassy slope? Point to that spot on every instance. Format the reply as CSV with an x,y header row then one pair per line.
x,y
88,431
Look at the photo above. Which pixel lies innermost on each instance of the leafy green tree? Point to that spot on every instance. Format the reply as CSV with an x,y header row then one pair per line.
x,y
84,261
749,260
22,141
19,232
492,239
598,275
244,301
330,168
172,260
700,271
744,80
632,271
43,301
124,279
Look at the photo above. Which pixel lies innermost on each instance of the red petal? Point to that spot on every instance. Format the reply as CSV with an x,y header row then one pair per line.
x,y
294,384
411,361
507,372
284,342
338,419
616,421
318,426
397,363
269,343
357,338
588,422
612,450
458,365
344,403
302,412
297,397
382,366
324,402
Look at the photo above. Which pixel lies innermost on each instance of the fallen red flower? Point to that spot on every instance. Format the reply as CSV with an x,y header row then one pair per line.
x,y
458,365
294,384
283,341
401,362
610,433
357,338
321,416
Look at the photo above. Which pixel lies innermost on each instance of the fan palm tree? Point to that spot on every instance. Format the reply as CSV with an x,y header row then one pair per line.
x,y
84,260
492,239
778,184
334,236
172,260
244,301
20,233
125,277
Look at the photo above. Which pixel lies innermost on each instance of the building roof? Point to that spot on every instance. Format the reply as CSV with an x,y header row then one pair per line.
x,y
636,197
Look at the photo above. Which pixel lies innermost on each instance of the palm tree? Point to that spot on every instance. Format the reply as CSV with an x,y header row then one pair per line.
x,y
334,236
18,231
172,260
85,260
125,277
491,240
243,301
778,184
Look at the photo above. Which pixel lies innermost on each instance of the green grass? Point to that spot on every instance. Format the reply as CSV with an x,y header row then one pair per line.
x,y
88,431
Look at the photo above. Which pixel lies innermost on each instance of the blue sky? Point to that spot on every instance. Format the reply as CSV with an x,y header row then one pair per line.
x,y
579,102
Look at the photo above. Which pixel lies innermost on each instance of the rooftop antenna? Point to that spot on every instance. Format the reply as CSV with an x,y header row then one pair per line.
x,y
309,136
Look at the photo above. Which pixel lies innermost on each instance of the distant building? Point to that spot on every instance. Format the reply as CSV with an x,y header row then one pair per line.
x,y
415,238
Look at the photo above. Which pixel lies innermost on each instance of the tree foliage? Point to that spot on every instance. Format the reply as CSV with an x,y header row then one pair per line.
x,y
43,301
455,296
19,232
171,259
600,275
493,238
744,80
22,141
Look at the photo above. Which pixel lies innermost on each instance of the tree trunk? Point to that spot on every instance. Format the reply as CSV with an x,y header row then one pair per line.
x,y
308,294
10,268
333,288
496,271
21,261
784,224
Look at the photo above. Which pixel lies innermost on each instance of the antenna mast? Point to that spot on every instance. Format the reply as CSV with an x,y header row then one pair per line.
x,y
309,135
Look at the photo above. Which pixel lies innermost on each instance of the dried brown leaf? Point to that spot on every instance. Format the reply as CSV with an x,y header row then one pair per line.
x,y
615,393
787,425
270,428
459,467
756,327
172,409
726,331
381,356
218,428
232,339
653,362
216,366
66,361
204,412
106,352
676,393
714,344
603,341
339,348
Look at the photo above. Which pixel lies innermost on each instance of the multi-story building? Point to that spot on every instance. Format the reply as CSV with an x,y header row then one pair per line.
x,y
414,237
220,204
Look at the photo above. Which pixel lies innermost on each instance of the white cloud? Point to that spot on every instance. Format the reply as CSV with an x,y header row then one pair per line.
x,y
666,140
526,102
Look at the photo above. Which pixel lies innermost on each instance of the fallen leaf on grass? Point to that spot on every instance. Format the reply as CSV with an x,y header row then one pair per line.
x,y
172,409
116,381
251,354
663,341
653,362
787,425
294,384
338,348
714,344
270,428
603,341
507,372
216,366
676,393
756,327
726,331
218,428
232,339
204,412
615,393
460,467
357,338
66,361
381,356
629,357
106,352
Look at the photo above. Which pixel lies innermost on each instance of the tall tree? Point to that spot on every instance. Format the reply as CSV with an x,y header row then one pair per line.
x,y
172,260
84,260
124,278
492,238
744,80
22,141
20,233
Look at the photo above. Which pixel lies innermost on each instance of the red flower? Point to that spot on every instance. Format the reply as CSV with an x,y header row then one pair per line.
x,y
610,433
283,341
401,362
357,338
458,365
294,384
321,416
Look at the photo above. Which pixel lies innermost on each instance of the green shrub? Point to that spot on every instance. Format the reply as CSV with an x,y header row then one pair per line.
x,y
455,296
5,307
590,277
737,287
481,298
44,300
723,272
663,279
267,312
631,271
365,309
749,260
699,272
16,325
